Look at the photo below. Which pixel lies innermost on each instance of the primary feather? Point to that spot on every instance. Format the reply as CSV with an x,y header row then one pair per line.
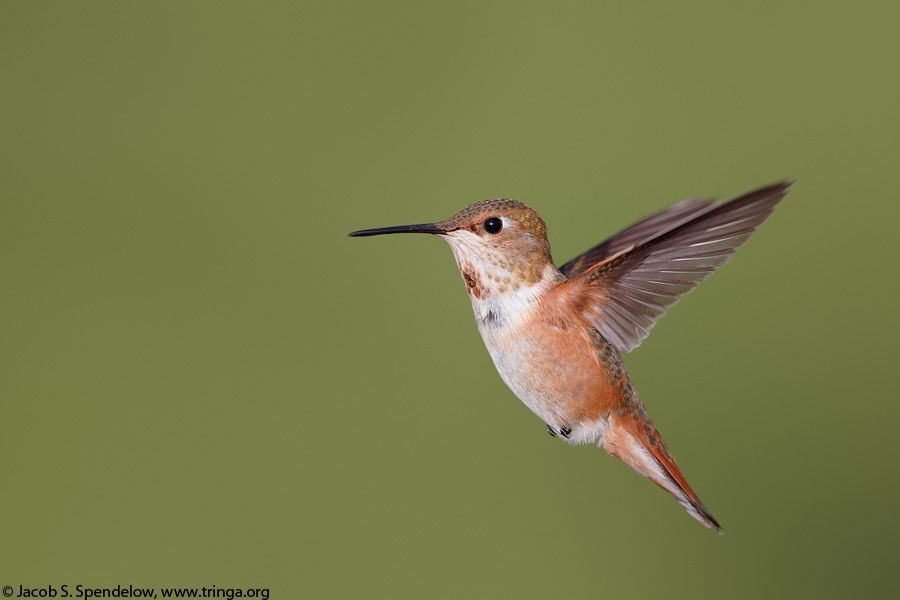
x,y
646,268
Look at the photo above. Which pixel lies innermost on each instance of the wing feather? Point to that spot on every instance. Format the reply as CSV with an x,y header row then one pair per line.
x,y
659,259
634,234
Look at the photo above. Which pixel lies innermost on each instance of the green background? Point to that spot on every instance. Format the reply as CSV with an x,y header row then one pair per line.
x,y
204,382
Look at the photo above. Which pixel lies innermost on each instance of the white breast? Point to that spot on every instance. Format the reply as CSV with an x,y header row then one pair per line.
x,y
501,319
519,355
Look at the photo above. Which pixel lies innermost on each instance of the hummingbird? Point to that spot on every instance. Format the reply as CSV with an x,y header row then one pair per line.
x,y
556,334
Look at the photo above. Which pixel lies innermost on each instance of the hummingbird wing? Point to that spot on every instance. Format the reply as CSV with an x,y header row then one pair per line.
x,y
635,234
627,291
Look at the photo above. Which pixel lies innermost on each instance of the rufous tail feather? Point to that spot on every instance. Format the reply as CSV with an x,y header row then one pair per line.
x,y
633,439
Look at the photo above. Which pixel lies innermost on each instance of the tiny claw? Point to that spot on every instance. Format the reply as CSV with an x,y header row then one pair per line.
x,y
550,431
565,432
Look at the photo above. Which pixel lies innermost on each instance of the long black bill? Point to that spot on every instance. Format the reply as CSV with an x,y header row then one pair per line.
x,y
423,228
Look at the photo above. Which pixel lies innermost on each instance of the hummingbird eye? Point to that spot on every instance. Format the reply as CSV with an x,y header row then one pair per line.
x,y
493,225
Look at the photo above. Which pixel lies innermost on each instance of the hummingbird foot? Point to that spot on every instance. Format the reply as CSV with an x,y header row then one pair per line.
x,y
563,431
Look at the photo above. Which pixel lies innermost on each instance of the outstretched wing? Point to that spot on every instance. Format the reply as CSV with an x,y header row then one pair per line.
x,y
635,234
627,291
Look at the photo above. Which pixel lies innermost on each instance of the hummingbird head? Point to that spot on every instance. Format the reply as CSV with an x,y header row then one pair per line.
x,y
500,246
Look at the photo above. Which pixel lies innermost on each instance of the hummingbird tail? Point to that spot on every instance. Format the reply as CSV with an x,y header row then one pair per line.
x,y
637,443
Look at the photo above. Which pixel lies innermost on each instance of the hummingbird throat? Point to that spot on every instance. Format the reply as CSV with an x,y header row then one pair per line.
x,y
489,273
502,289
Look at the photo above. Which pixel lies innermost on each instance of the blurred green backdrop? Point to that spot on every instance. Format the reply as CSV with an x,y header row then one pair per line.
x,y
204,382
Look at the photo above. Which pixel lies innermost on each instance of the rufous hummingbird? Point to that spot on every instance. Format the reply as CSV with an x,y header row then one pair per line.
x,y
555,334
